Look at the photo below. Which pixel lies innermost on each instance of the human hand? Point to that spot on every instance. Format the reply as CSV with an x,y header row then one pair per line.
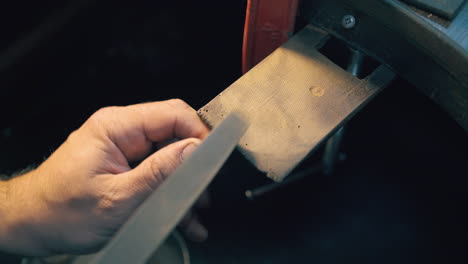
x,y
79,197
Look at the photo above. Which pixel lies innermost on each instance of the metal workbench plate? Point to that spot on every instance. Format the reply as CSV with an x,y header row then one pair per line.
x,y
293,100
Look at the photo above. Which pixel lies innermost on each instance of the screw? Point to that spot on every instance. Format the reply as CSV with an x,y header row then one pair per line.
x,y
348,21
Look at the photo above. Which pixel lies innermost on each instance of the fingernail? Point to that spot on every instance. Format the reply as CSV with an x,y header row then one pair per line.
x,y
188,150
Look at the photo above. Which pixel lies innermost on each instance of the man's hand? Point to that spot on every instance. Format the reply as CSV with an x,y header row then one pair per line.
x,y
78,198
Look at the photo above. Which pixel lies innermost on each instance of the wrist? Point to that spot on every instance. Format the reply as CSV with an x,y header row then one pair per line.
x,y
18,215
6,216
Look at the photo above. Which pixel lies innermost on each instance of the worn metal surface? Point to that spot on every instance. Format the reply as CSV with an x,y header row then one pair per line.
x,y
445,8
457,30
294,99
433,58
160,213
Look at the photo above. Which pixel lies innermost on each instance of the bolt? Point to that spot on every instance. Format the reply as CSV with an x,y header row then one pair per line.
x,y
348,21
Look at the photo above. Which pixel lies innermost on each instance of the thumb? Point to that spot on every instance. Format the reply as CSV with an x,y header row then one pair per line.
x,y
157,167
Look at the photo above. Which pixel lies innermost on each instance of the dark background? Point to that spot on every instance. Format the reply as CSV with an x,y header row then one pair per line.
x,y
400,197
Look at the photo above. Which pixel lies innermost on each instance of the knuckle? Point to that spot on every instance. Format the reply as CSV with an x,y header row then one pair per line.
x,y
101,118
104,113
107,204
158,169
111,200
157,175
179,103
73,135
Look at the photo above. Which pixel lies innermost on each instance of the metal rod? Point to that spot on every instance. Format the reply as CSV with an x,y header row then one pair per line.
x,y
332,147
262,190
355,62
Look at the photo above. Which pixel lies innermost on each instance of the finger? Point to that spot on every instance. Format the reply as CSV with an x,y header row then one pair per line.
x,y
133,129
192,227
147,176
162,144
177,120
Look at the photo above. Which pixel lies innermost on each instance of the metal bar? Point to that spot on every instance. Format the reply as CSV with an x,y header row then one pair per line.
x,y
161,212
262,190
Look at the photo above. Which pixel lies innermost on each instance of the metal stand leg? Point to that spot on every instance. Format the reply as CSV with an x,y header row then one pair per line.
x,y
331,152
332,148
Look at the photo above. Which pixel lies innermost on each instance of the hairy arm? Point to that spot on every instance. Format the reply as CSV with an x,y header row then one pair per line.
x,y
18,210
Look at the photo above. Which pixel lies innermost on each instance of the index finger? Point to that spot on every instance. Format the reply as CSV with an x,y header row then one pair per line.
x,y
170,119
134,129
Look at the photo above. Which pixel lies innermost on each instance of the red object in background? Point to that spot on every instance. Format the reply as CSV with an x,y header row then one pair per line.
x,y
267,26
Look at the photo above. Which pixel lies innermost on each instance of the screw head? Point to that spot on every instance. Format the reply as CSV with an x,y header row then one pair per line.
x,y
348,21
